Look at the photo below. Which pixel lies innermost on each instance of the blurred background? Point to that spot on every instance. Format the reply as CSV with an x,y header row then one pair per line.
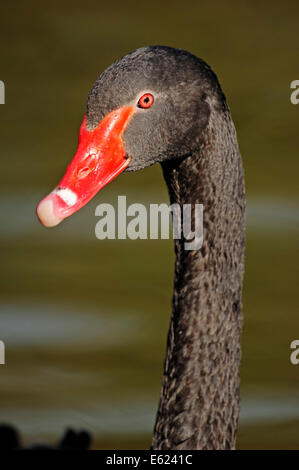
x,y
85,321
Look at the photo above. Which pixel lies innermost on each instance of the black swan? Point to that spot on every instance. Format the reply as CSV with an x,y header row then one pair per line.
x,y
164,105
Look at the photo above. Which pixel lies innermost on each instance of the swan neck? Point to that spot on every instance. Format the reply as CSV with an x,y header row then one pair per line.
x,y
199,402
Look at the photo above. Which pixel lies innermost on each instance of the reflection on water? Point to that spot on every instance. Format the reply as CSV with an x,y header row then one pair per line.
x,y
130,418
136,417
22,325
264,409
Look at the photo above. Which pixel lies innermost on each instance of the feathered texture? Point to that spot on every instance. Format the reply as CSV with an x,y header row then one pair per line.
x,y
199,404
180,83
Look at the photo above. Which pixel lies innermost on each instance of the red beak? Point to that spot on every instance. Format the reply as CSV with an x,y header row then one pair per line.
x,y
100,157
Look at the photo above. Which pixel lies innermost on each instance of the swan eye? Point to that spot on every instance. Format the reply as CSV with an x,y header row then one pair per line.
x,y
145,101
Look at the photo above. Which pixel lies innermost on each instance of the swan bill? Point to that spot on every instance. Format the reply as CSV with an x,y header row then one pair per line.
x,y
100,157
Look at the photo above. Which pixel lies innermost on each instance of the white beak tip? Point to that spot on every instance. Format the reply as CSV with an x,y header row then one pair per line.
x,y
46,215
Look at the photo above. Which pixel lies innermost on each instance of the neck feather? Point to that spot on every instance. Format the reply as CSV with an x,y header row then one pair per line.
x,y
199,402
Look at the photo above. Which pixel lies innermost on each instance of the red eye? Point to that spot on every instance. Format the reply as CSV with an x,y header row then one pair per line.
x,y
145,101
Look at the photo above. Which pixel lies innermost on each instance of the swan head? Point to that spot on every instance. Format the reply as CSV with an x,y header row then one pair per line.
x,y
148,107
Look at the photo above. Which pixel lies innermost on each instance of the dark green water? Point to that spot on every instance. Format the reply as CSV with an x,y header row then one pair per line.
x,y
85,321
